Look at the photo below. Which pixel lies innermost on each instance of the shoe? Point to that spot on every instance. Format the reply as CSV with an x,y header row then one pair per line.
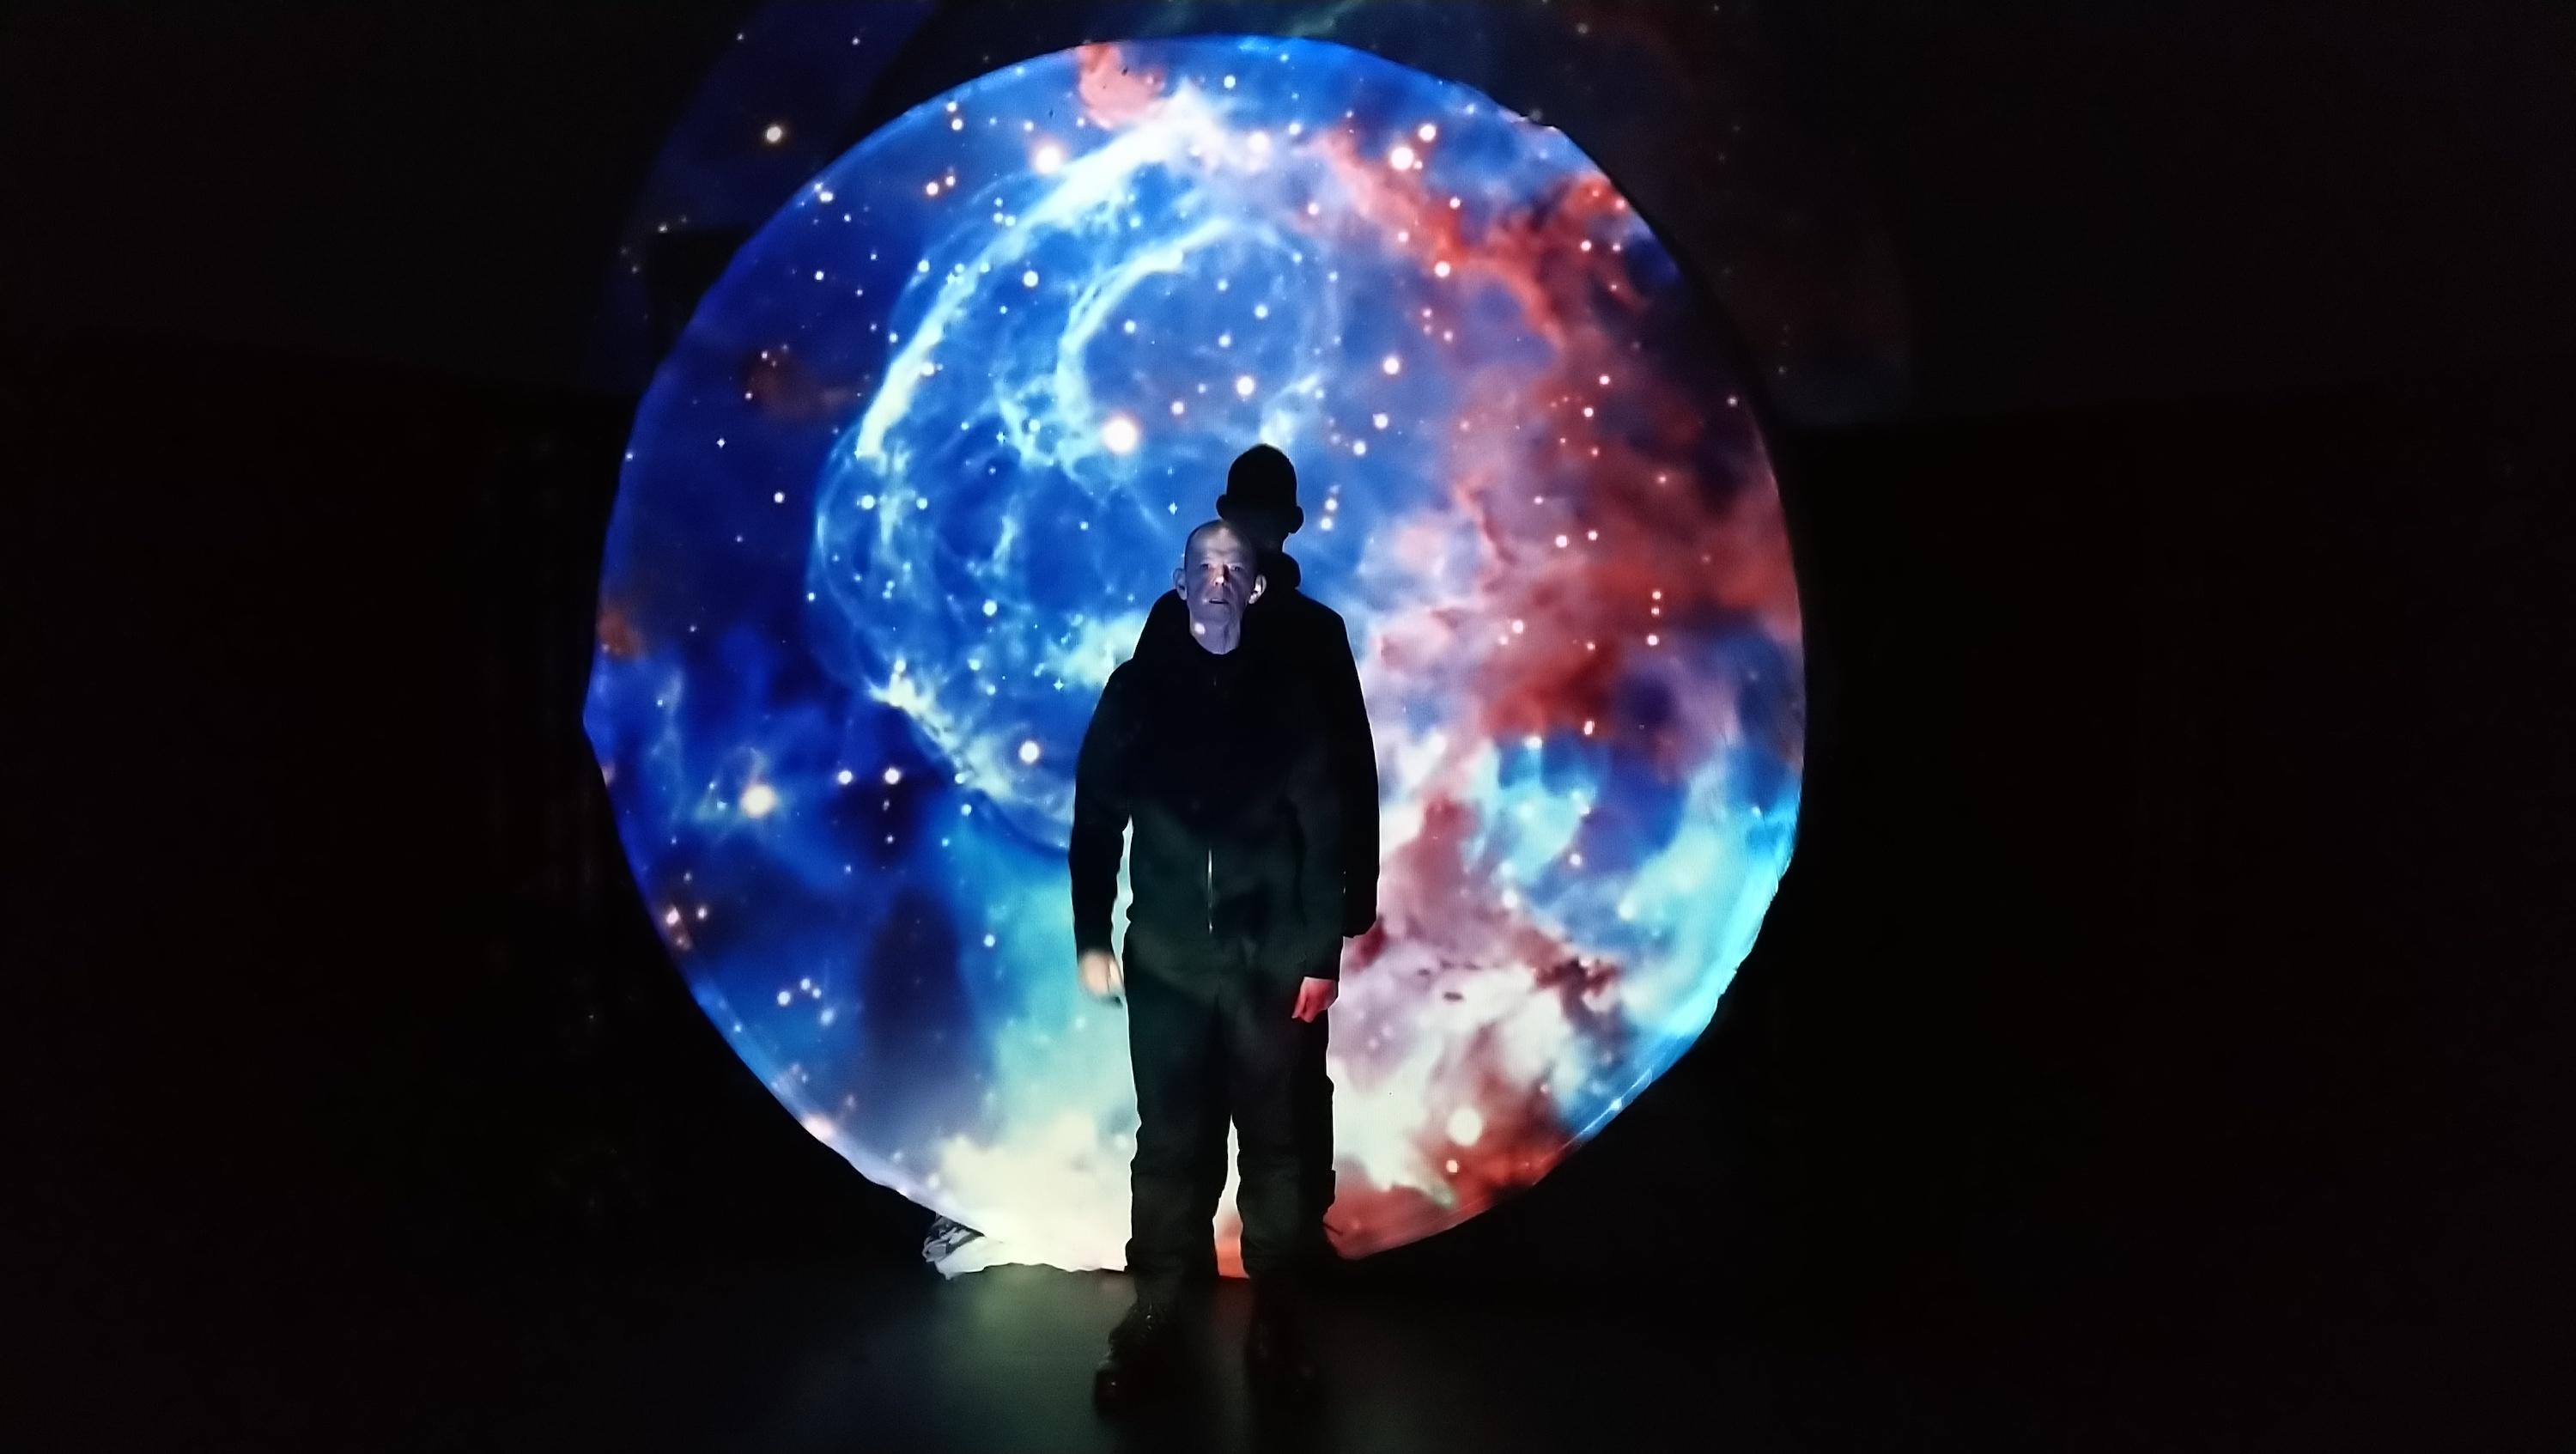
x,y
1139,1357
1274,1352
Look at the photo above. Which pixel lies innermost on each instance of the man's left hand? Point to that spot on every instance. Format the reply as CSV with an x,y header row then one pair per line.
x,y
1315,996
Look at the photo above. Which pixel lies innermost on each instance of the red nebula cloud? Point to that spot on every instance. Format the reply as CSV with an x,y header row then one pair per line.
x,y
1623,485
1443,924
1113,93
1670,524
782,387
1520,1139
619,637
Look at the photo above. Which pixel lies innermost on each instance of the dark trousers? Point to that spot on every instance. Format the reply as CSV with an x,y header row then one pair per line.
x,y
1204,1055
1316,1153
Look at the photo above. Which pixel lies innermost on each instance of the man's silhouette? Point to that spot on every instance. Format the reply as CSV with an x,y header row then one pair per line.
x,y
1209,748
1260,502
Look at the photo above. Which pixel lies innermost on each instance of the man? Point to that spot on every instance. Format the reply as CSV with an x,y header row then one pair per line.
x,y
1260,502
1221,765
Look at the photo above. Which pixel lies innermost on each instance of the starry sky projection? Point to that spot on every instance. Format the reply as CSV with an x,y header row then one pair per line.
x,y
1768,211
902,494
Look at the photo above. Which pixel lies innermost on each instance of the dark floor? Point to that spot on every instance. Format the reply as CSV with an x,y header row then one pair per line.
x,y
1002,1360
789,1358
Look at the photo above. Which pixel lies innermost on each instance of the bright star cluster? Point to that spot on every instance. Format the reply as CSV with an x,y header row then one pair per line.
x,y
902,495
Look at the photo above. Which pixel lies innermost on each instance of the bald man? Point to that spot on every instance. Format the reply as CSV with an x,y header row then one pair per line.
x,y
1260,502
1208,747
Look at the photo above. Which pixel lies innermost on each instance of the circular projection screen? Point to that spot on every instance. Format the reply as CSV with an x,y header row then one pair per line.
x,y
904,491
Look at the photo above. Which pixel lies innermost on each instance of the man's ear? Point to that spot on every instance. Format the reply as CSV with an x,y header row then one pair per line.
x,y
1177,578
1259,585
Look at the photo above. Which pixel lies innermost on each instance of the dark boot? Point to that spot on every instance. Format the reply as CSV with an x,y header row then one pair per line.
x,y
1274,1348
1140,1357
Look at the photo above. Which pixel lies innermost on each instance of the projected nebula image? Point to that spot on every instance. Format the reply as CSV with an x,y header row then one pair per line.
x,y
906,488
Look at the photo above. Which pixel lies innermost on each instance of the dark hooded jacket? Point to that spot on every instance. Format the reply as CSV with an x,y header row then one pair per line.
x,y
1315,647
1221,765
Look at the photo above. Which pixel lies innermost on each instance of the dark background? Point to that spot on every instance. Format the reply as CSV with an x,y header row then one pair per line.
x,y
2151,1047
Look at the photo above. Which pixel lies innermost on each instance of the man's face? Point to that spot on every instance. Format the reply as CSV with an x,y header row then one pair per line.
x,y
1217,581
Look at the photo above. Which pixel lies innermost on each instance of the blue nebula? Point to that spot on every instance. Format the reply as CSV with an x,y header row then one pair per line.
x,y
903,493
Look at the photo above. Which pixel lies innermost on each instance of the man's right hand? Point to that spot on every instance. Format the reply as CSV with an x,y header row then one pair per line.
x,y
1101,976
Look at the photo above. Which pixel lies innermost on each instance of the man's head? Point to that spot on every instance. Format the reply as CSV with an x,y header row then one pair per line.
x,y
1219,579
1260,497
